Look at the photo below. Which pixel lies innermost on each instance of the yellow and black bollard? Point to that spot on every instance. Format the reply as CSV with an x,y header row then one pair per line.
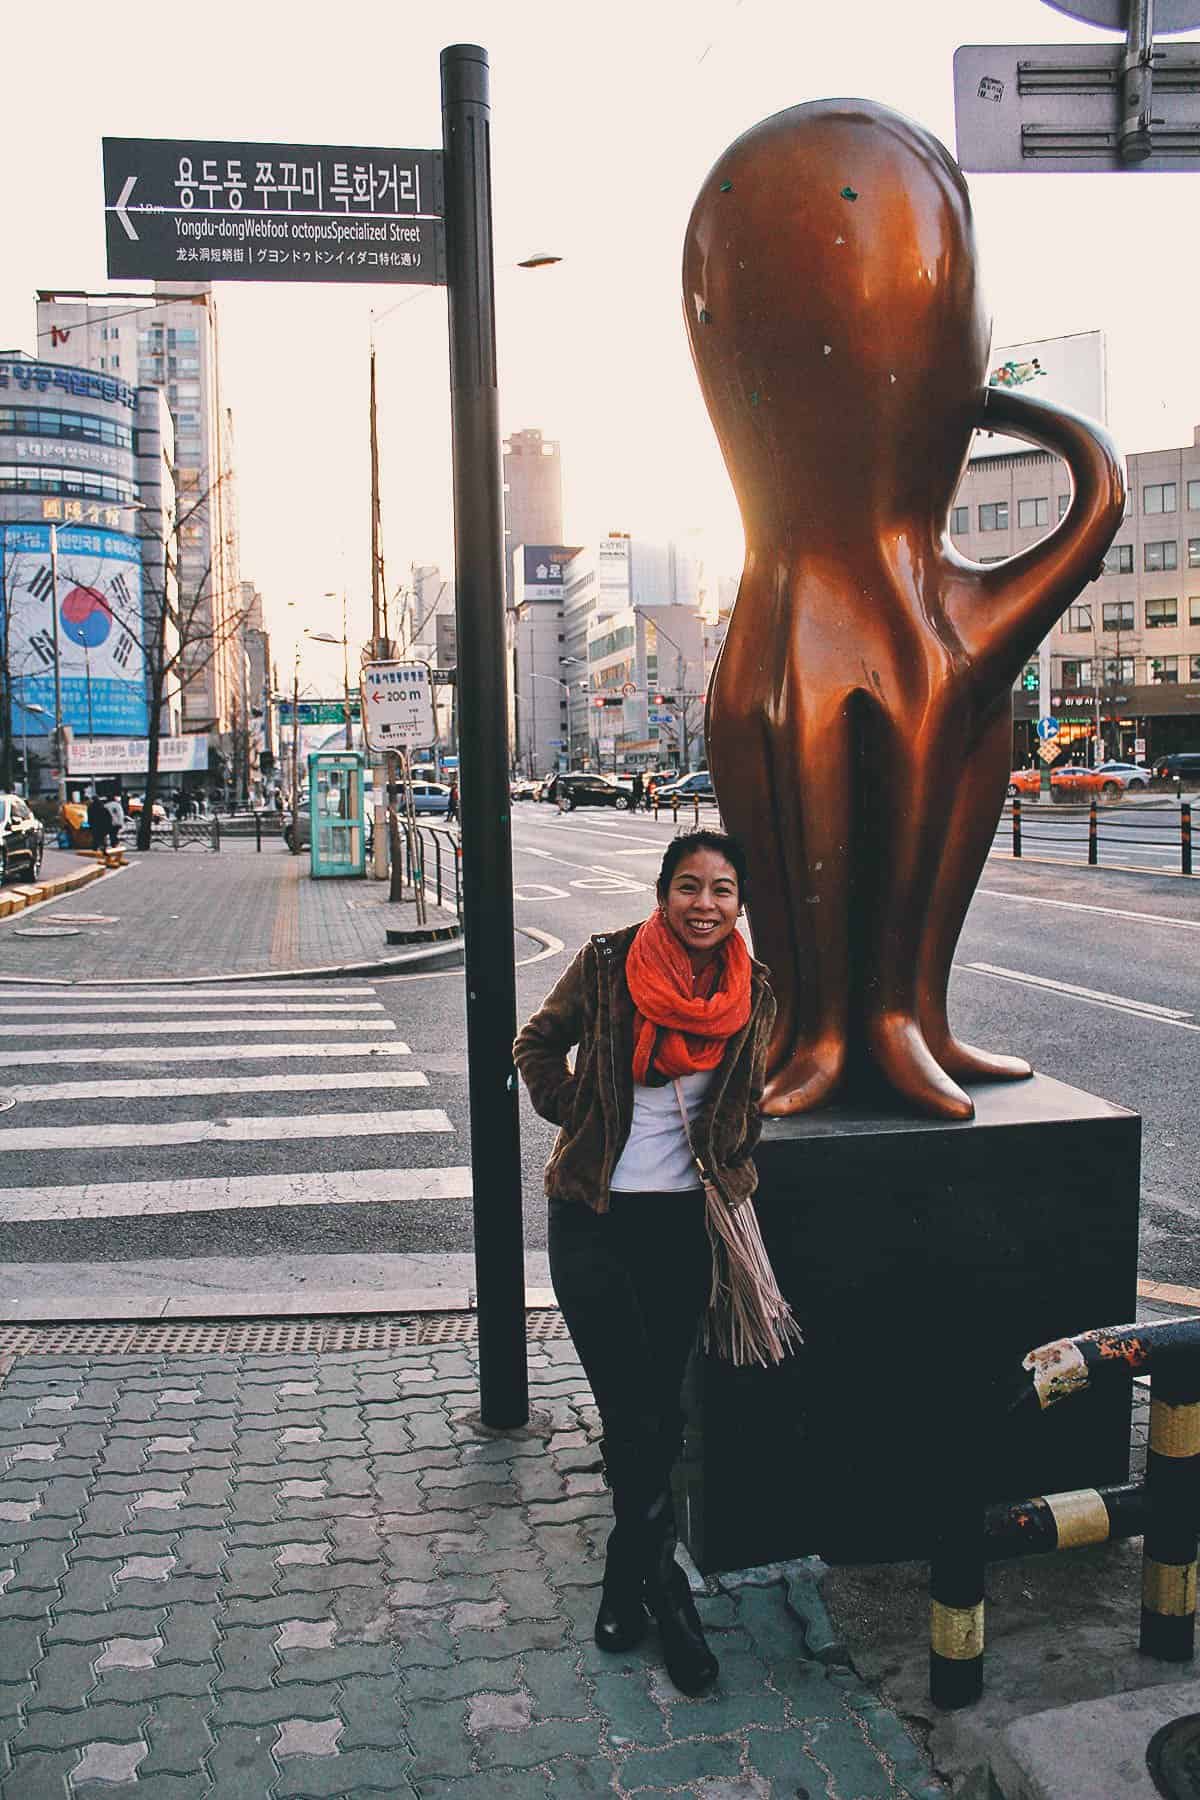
x,y
956,1592
1093,836
1185,837
1016,824
1172,1496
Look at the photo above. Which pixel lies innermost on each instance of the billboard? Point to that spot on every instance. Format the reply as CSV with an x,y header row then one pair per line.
x,y
1070,371
131,756
540,570
100,627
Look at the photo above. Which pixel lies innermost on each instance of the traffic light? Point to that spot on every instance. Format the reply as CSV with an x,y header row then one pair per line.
x,y
664,699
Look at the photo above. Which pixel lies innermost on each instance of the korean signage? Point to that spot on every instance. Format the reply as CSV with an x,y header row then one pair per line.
x,y
99,627
318,712
397,705
131,756
183,210
58,382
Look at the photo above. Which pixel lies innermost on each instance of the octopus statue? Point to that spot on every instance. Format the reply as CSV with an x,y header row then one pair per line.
x,y
860,716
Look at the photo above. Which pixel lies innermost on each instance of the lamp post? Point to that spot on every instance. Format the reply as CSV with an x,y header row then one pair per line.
x,y
327,637
27,707
536,675
682,663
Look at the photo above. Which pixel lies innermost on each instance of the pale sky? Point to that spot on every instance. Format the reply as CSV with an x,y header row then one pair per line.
x,y
605,122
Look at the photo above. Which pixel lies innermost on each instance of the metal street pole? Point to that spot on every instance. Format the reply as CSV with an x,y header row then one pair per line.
x,y
59,746
346,676
486,826
296,760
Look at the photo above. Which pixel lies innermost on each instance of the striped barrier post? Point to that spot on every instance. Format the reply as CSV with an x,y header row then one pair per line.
x,y
696,804
674,809
1185,837
1172,1492
1016,824
956,1609
1093,835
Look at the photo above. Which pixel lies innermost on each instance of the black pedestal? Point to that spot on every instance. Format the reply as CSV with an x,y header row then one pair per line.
x,y
923,1261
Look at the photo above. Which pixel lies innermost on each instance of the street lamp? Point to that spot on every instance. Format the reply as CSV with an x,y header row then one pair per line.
x,y
327,637
28,706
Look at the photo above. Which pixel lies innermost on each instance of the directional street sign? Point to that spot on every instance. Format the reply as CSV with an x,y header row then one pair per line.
x,y
318,712
1047,728
178,209
1056,108
397,705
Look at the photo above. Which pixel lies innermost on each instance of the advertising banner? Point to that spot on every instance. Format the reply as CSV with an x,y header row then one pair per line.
x,y
100,626
1070,371
131,756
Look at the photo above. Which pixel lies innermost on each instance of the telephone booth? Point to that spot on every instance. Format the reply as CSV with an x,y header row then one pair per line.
x,y
335,795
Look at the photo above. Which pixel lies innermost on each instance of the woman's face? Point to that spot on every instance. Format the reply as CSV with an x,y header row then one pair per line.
x,y
701,905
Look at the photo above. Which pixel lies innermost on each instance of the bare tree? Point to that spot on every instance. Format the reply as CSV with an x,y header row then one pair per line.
x,y
182,632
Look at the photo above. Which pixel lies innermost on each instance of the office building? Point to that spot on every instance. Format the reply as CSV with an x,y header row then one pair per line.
x,y
533,509
171,342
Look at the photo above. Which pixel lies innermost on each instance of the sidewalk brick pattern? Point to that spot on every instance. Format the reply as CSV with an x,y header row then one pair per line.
x,y
301,1576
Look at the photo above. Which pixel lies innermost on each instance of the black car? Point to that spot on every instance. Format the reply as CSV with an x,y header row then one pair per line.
x,y
571,791
1184,762
22,840
696,786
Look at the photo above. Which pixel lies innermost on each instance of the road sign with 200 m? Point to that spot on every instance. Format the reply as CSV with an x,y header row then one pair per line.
x,y
397,705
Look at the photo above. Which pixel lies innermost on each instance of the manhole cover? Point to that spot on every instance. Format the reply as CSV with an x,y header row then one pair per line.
x,y
7,1100
1173,1758
88,918
47,931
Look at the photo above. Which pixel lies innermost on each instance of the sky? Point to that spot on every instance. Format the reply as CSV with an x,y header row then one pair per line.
x,y
605,121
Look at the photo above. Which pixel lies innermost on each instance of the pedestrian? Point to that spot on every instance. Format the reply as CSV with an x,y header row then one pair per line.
x,y
646,1183
651,791
99,823
638,790
116,815
452,800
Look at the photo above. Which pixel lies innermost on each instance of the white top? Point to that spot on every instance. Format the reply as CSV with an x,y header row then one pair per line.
x,y
656,1158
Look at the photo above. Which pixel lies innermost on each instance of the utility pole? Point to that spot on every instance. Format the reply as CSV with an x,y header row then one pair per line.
x,y
296,759
388,846
59,745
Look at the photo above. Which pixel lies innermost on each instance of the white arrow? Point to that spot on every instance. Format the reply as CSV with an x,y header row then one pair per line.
x,y
122,203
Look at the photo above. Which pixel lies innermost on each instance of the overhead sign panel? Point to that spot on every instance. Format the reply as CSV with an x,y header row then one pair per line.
x,y
1056,109
1069,371
179,209
397,705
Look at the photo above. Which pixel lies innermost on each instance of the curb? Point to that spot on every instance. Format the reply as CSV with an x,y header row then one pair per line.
x,y
23,895
423,934
430,956
329,1303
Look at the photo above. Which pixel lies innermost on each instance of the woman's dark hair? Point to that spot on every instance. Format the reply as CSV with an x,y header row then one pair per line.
x,y
688,841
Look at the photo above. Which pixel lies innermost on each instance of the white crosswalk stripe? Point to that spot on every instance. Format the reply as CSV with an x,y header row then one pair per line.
x,y
149,1054
201,1164
267,990
149,1199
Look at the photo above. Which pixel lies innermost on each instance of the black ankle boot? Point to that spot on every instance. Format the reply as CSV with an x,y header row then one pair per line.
x,y
690,1663
621,1620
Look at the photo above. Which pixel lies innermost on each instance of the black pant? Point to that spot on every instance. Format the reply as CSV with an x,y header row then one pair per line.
x,y
632,1285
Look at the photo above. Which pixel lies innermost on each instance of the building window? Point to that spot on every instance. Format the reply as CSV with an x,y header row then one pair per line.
x,y
1079,618
1033,512
1064,500
1164,669
1194,553
51,421
1195,669
1193,496
1161,612
1076,674
1118,615
1159,497
1119,560
960,521
993,516
1161,555
1118,668
1194,609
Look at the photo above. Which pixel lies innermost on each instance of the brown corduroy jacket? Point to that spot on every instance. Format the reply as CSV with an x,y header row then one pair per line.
x,y
593,1104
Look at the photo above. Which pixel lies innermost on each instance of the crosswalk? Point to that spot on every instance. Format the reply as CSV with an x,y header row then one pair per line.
x,y
179,1119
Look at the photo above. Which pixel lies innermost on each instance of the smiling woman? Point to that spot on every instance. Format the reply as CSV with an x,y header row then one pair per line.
x,y
647,1181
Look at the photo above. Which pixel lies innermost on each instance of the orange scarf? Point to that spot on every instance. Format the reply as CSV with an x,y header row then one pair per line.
x,y
689,1021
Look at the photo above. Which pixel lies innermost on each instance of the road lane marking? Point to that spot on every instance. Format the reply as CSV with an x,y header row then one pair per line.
x,y
1112,912
537,890
551,945
167,1087
15,989
612,880
1144,1009
231,1193
77,1009
267,1129
137,1027
149,1054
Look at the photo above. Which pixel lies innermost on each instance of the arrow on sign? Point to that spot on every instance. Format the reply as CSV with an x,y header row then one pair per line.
x,y
122,203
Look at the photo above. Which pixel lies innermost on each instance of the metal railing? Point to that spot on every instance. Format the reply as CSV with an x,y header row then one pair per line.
x,y
1148,829
1163,1509
438,864
185,834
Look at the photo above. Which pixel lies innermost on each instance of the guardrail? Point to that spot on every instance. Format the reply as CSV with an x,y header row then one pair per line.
x,y
1163,1509
186,834
708,799
445,870
1148,829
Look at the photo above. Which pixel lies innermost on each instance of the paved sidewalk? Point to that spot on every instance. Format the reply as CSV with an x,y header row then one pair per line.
x,y
314,1574
193,913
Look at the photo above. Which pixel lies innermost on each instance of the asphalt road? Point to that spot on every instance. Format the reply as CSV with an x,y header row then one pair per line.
x,y
1094,975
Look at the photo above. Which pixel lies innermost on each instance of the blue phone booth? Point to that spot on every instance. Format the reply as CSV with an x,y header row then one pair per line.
x,y
335,794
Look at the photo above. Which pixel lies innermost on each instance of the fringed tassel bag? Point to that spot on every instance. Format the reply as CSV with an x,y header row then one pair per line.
x,y
748,1320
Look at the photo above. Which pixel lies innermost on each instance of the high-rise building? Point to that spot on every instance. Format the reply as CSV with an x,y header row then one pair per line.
x,y
533,509
257,708
171,342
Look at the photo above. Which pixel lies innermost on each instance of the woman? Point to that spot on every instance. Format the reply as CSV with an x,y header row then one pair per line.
x,y
669,1014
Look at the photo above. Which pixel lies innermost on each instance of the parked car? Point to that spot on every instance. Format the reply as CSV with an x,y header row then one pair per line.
x,y
524,790
158,812
696,786
571,791
22,840
1074,780
1185,763
430,797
